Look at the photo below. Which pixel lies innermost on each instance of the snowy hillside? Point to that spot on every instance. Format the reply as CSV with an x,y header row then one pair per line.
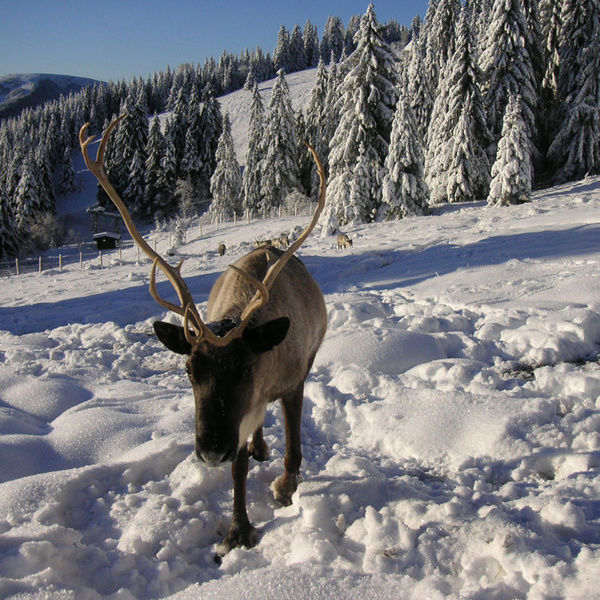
x,y
29,90
451,424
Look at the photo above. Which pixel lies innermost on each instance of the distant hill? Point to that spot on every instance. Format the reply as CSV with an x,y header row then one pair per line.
x,y
30,90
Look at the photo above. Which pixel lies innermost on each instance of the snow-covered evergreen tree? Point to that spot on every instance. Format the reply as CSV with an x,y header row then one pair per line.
x,y
252,191
165,201
367,101
511,173
507,65
311,44
404,191
298,60
575,150
333,39
226,182
27,203
9,236
281,55
66,183
316,117
155,151
279,167
418,86
457,165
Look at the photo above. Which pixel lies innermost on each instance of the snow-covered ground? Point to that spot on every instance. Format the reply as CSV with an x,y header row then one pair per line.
x,y
451,427
451,424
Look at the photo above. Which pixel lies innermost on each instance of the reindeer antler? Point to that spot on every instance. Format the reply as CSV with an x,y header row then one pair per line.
x,y
188,309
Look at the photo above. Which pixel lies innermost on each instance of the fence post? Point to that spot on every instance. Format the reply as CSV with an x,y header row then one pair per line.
x,y
120,253
80,259
280,209
100,255
40,264
17,266
60,262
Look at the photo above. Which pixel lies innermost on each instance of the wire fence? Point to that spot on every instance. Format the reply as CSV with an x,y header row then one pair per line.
x,y
87,253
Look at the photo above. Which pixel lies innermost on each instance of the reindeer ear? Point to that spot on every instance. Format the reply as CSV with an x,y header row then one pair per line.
x,y
268,335
172,336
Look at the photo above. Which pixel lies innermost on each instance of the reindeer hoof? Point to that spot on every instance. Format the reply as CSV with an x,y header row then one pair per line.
x,y
245,535
285,486
259,451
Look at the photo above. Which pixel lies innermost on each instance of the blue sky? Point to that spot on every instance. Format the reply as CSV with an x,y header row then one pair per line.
x,y
114,39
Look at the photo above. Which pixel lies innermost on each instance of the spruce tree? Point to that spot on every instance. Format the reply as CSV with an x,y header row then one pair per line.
x,y
279,167
9,235
508,66
67,174
404,191
28,202
226,182
298,60
316,133
311,44
282,55
367,101
155,151
575,150
252,172
333,39
457,165
512,173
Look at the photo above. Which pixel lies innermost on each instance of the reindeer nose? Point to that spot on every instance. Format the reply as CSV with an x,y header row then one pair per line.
x,y
212,459
212,455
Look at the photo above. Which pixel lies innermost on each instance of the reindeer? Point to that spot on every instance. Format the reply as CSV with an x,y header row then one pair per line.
x,y
282,242
343,241
222,249
262,243
266,319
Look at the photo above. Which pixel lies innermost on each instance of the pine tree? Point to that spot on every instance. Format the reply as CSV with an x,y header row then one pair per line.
x,y
280,164
512,173
404,192
575,149
252,173
226,182
367,101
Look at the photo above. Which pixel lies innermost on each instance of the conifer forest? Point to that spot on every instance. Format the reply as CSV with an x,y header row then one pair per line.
x,y
480,100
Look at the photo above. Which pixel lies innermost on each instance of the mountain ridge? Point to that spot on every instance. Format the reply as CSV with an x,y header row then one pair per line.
x,y
19,91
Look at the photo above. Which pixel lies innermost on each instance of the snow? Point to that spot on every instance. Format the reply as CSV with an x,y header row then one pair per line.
x,y
451,424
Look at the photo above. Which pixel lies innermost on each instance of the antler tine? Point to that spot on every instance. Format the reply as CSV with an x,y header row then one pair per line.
x,y
173,274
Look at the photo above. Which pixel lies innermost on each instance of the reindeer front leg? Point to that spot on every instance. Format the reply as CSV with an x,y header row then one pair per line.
x,y
241,532
284,486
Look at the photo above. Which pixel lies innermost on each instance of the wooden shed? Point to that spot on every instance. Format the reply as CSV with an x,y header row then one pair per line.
x,y
106,240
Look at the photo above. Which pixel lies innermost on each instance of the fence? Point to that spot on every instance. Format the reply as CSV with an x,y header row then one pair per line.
x,y
129,250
